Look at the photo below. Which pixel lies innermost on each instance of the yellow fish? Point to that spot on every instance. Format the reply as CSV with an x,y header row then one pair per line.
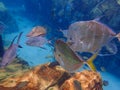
x,y
68,59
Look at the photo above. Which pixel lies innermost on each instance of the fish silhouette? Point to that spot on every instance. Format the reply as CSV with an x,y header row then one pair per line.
x,y
91,36
37,31
38,41
68,59
10,53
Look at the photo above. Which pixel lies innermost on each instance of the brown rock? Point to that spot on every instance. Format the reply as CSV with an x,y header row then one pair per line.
x,y
85,80
47,77
38,78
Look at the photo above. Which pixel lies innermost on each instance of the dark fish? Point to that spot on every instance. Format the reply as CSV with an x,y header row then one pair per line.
x,y
37,31
91,36
38,41
68,59
105,83
10,53
77,85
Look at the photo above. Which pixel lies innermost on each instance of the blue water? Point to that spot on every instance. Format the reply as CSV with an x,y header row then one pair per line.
x,y
28,13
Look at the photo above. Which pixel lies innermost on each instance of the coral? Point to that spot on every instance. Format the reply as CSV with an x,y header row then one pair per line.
x,y
85,80
15,68
52,77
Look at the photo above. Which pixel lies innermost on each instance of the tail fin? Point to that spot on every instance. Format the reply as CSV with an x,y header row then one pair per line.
x,y
90,61
118,36
19,38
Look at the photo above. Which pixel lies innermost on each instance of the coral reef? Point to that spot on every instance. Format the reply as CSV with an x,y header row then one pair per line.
x,y
85,80
52,77
17,66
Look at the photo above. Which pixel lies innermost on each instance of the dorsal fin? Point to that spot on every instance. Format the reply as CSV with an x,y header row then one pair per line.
x,y
13,40
99,18
19,37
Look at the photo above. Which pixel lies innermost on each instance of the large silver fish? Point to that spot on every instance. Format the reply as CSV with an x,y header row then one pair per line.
x,y
91,36
10,53
68,59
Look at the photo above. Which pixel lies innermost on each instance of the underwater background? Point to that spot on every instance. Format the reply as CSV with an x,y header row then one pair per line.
x,y
22,15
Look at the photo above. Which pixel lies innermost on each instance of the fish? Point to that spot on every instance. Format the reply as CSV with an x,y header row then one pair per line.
x,y
10,53
38,41
105,83
77,85
91,36
37,31
69,60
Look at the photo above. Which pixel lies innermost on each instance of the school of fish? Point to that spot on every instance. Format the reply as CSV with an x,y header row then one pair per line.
x,y
82,36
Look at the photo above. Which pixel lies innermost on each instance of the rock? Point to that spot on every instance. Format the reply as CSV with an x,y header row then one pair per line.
x,y
15,68
38,78
85,80
48,77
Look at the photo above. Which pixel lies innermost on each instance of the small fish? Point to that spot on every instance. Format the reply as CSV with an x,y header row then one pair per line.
x,y
103,69
91,36
38,41
105,83
10,53
77,85
69,60
37,31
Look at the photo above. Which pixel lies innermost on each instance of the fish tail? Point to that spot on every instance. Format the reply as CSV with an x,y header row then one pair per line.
x,y
90,61
118,36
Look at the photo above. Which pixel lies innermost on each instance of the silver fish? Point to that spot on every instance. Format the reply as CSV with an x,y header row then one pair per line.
x,y
10,53
37,31
91,36
38,41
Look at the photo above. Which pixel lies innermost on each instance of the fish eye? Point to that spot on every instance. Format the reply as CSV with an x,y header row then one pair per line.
x,y
59,55
70,38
